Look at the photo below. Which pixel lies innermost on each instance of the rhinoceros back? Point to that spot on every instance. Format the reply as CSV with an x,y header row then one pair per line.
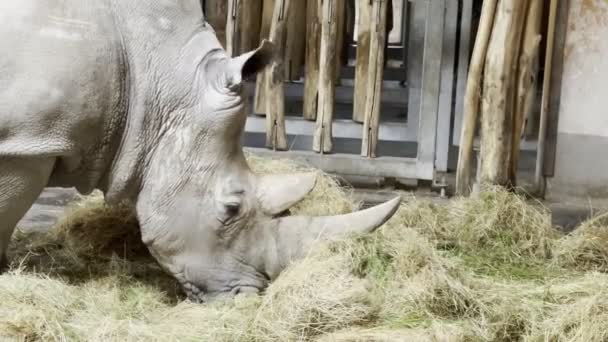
x,y
63,85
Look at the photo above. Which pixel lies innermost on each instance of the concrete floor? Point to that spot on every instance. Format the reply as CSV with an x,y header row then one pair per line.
x,y
51,205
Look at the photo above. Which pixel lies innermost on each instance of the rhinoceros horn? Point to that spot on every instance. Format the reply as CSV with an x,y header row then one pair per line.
x,y
295,235
278,193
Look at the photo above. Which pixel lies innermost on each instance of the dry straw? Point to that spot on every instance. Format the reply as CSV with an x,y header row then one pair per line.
x,y
490,268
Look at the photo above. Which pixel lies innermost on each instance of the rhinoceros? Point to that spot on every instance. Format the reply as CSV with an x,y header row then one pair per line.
x,y
139,100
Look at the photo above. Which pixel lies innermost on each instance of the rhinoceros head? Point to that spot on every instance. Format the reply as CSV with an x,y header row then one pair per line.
x,y
206,217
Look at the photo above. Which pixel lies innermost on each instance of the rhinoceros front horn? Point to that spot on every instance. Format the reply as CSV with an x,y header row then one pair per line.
x,y
295,235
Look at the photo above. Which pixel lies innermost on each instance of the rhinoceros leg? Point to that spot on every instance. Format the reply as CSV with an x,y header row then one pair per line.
x,y
21,182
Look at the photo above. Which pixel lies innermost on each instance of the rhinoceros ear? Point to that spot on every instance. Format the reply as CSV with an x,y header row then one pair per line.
x,y
278,193
251,63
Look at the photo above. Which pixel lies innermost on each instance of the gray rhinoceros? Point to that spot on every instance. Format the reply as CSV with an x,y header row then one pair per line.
x,y
139,99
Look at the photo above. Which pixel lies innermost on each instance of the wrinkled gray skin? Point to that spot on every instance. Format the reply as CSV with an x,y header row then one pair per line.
x,y
138,99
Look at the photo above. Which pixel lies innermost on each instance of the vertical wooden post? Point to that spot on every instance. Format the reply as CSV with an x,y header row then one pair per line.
x,y
233,33
364,9
260,89
472,97
498,86
296,41
340,8
322,141
216,13
464,50
276,137
313,42
250,21
374,78
526,80
544,110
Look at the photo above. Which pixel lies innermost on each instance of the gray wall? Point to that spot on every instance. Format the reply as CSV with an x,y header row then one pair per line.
x,y
582,145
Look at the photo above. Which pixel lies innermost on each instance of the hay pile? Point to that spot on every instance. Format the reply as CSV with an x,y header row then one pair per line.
x,y
489,268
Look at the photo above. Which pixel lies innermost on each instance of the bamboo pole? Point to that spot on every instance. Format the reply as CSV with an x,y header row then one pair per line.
x,y
260,89
526,80
472,97
375,75
499,93
364,9
322,141
542,132
276,137
313,42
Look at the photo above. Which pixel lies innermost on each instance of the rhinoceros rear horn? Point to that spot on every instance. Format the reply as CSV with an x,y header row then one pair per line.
x,y
278,193
251,63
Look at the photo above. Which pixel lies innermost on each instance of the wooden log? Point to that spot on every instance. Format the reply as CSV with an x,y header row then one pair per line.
x,y
472,97
499,91
251,24
340,8
364,10
375,75
322,141
296,41
276,137
350,20
233,34
526,81
216,14
313,42
259,100
539,180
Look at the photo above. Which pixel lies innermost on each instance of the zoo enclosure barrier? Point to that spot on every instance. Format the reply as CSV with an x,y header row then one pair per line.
x,y
368,88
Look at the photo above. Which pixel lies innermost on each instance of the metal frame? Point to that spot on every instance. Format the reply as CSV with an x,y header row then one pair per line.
x,y
429,107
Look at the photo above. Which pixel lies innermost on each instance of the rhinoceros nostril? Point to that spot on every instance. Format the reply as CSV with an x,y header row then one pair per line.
x,y
232,208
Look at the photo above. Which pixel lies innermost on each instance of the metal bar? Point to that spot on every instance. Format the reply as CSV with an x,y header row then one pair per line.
x,y
464,51
447,87
350,164
389,131
431,82
415,62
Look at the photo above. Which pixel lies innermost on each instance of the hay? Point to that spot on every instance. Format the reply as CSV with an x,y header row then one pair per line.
x,y
587,247
489,268
496,220
314,297
436,333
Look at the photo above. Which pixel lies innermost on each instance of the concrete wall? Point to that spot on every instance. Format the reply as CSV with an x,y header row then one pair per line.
x,y
582,145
